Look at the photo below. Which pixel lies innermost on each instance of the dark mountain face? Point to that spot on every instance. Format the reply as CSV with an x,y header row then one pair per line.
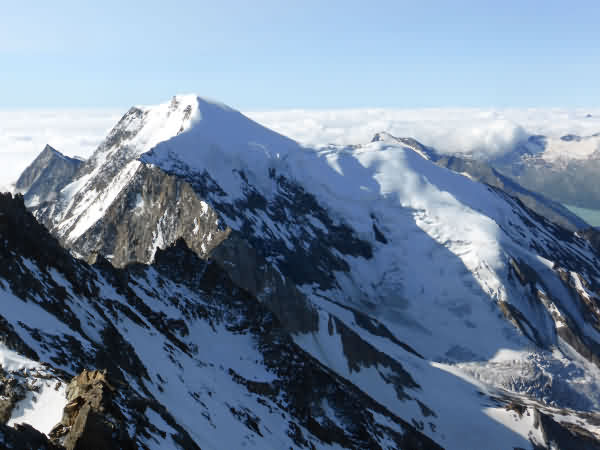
x,y
267,389
563,169
347,296
48,174
592,235
573,182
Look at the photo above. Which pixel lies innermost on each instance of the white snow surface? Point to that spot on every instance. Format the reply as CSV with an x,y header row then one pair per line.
x,y
11,361
43,409
220,139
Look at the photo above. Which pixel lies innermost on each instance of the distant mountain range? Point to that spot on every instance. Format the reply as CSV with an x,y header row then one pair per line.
x,y
246,291
564,169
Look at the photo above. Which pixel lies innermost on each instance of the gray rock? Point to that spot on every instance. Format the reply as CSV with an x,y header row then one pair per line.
x,y
46,176
91,419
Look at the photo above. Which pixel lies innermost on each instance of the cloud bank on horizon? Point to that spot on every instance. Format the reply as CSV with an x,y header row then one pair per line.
x,y
460,130
23,134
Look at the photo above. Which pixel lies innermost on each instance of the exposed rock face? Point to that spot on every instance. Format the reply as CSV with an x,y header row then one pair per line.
x,y
91,419
154,329
592,235
11,393
25,437
165,208
46,176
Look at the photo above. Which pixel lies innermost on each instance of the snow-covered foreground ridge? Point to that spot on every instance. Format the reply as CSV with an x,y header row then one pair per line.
x,y
188,359
442,299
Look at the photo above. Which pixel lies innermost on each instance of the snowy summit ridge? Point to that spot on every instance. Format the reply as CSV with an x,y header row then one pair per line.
x,y
189,133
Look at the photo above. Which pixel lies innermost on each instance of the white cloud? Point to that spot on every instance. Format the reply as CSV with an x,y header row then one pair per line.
x,y
23,134
448,130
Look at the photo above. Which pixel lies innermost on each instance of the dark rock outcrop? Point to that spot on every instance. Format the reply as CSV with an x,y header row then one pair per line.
x,y
11,392
126,406
25,437
165,208
46,176
592,235
564,435
91,420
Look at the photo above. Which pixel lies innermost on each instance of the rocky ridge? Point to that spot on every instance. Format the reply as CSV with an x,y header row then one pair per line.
x,y
264,391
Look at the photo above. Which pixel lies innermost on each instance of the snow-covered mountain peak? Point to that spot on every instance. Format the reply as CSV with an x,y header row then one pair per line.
x,y
209,123
223,142
385,138
382,136
142,127
188,135
49,149
195,99
46,175
572,147
192,130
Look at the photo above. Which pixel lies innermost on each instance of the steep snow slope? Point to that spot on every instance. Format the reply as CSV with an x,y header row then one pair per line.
x,y
483,172
32,394
111,167
441,298
194,361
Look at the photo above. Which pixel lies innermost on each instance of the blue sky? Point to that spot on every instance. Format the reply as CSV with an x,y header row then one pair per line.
x,y
269,54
